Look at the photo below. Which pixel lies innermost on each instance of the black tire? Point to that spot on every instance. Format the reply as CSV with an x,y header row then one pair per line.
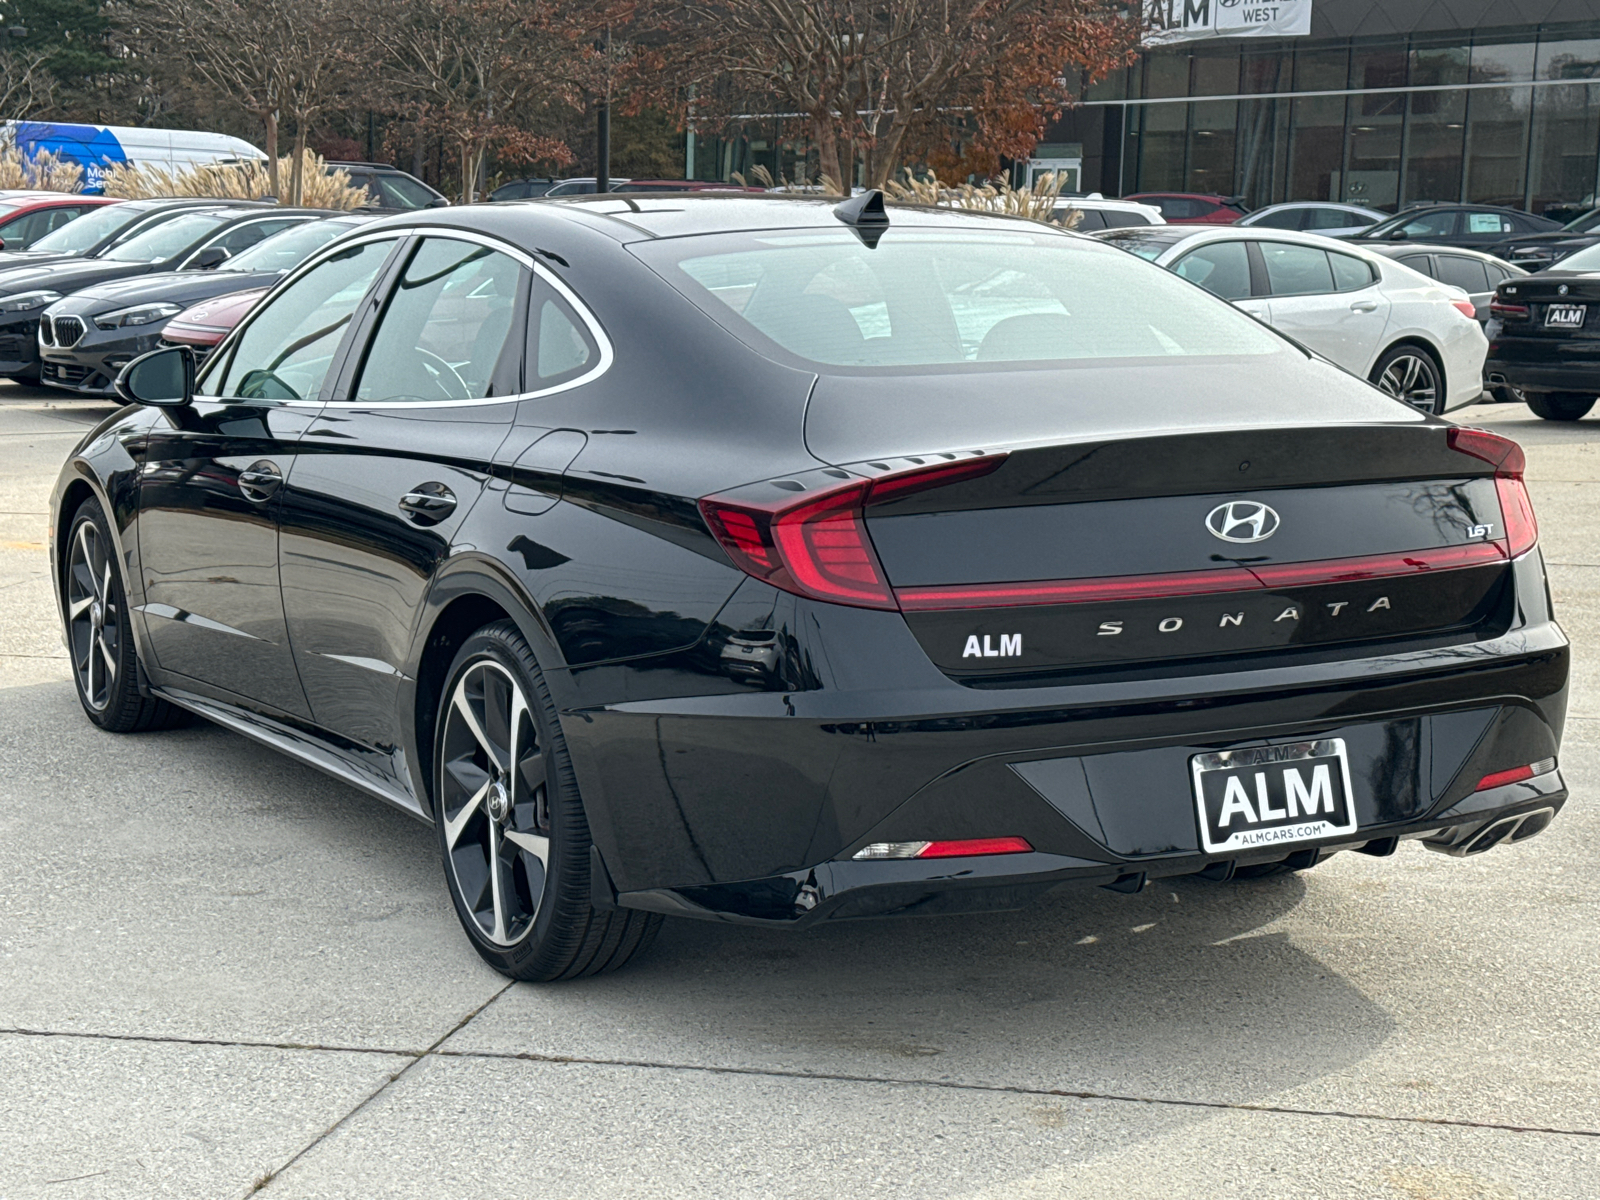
x,y
1504,393
105,661
504,790
1560,406
1412,374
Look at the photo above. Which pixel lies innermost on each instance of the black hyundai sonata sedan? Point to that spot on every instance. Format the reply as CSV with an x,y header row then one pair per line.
x,y
775,561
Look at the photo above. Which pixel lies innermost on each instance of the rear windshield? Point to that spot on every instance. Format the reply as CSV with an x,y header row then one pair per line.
x,y
926,297
89,230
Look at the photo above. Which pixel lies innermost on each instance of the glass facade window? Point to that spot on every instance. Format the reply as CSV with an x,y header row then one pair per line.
x,y
1507,116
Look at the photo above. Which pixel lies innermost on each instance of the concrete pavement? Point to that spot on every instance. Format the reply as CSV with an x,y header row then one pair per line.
x,y
221,971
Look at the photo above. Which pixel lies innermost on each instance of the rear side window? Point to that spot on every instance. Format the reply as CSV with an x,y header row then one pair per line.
x,y
1289,218
446,327
1418,262
1222,268
1296,270
1489,223
1116,218
1090,219
1460,271
1349,272
927,296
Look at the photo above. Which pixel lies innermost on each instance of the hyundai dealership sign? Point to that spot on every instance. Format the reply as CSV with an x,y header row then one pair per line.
x,y
1184,20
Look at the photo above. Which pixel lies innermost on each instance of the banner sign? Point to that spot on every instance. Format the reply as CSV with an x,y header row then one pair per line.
x,y
1188,20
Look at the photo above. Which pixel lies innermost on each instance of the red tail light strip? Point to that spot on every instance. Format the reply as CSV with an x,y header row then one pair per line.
x,y
1266,576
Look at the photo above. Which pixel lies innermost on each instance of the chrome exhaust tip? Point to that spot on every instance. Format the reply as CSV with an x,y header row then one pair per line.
x,y
1518,827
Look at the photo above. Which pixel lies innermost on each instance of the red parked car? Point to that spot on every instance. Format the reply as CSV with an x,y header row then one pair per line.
x,y
1193,208
26,216
205,324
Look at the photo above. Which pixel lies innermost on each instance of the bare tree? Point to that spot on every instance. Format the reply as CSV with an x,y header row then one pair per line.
x,y
230,44
25,85
477,72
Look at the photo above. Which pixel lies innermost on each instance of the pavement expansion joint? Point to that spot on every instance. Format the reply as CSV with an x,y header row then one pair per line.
x,y
1015,1090
230,1043
267,1178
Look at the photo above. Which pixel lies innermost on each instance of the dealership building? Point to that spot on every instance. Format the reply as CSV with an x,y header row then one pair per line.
x,y
1382,102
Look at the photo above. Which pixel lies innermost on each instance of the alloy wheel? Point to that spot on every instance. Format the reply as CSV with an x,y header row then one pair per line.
x,y
494,802
94,626
1412,378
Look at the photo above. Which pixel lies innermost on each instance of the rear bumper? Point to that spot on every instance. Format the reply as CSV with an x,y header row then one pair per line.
x,y
1544,367
842,890
750,805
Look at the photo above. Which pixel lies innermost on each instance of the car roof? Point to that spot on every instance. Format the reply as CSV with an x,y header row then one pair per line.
x,y
1341,205
1396,250
641,216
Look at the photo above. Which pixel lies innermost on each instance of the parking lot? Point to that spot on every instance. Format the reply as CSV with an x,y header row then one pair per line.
x,y
221,971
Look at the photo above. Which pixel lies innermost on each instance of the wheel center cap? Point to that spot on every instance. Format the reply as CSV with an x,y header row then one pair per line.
x,y
96,616
499,801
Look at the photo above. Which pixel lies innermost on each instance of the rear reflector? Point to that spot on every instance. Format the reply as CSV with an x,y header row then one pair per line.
x,y
1261,577
1516,774
970,848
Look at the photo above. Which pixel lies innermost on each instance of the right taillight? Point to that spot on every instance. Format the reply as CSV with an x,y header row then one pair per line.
x,y
1507,311
1516,507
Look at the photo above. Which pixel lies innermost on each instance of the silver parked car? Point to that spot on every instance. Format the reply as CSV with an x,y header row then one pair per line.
x,y
1315,216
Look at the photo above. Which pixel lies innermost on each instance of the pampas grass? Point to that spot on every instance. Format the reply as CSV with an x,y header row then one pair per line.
x,y
44,172
1036,203
234,181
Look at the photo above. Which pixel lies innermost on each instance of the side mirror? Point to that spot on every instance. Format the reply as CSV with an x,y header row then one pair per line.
x,y
1399,235
163,378
438,202
2,243
209,259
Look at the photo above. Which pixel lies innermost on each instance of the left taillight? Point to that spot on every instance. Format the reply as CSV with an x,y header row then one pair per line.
x,y
817,544
1516,506
1466,308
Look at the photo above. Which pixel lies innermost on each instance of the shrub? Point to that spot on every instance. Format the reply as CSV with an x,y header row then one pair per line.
x,y
43,172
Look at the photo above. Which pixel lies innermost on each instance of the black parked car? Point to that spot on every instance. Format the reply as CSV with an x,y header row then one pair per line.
x,y
1535,251
776,561
96,232
194,240
1544,337
89,336
389,189
188,236
1474,226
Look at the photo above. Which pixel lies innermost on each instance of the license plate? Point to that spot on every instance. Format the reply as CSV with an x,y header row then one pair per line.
x,y
1273,795
1564,316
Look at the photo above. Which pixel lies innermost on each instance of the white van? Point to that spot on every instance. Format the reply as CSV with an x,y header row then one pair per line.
x,y
95,147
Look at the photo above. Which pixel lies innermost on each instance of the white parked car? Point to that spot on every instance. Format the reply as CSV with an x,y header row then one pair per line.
x,y
1410,335
1315,216
1099,213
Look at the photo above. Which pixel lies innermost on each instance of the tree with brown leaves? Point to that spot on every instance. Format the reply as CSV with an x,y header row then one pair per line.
x,y
876,80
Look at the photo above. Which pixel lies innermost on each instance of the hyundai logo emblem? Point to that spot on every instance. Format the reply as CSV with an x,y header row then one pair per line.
x,y
1242,521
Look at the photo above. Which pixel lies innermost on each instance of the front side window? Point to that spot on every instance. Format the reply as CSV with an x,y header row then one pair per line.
x,y
1480,223
1222,268
1430,225
288,249
445,329
242,237
401,191
286,350
926,297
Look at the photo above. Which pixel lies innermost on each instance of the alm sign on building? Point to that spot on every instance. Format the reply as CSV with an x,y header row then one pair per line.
x,y
1185,20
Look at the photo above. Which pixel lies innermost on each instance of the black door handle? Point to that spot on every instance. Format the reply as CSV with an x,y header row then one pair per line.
x,y
428,503
260,480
